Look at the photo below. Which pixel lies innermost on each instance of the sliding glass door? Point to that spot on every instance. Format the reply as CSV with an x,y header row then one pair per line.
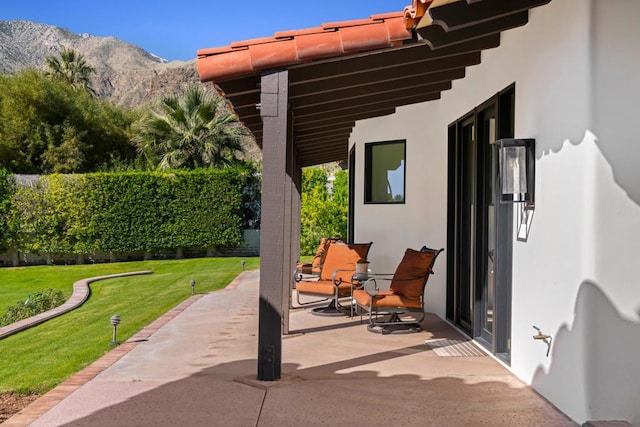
x,y
480,229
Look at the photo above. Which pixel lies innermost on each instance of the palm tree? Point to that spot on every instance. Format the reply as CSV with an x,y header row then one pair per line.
x,y
71,67
191,132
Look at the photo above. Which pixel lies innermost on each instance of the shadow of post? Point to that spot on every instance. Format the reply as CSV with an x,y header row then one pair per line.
x,y
320,396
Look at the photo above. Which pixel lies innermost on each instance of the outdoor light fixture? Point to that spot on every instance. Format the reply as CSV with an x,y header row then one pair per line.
x,y
193,286
115,321
517,170
243,264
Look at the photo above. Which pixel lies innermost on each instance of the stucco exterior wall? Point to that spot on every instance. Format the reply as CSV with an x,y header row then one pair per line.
x,y
575,67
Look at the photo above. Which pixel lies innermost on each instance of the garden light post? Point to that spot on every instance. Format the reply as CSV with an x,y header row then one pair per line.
x,y
243,263
193,286
115,321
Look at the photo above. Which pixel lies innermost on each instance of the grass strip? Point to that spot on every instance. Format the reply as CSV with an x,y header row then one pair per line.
x,y
39,358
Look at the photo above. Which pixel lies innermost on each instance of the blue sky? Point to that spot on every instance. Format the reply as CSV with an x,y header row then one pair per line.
x,y
177,29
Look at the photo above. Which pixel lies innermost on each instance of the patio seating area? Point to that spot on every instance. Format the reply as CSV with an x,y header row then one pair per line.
x,y
197,367
396,307
336,277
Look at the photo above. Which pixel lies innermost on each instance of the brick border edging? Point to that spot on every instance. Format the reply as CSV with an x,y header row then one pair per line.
x,y
80,294
50,399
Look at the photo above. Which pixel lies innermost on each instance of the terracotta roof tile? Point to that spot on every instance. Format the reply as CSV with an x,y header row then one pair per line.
x,y
319,45
395,69
294,47
415,12
249,42
307,31
384,15
352,23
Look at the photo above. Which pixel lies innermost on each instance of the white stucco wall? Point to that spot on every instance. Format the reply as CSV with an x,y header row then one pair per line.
x,y
421,220
576,67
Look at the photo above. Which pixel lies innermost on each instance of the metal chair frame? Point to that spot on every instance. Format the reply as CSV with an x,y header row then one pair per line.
x,y
334,307
297,276
394,324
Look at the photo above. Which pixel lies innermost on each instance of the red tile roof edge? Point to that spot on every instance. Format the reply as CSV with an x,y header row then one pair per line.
x,y
295,47
415,12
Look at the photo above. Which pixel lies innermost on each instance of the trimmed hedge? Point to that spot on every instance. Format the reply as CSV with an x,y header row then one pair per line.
x,y
128,212
6,192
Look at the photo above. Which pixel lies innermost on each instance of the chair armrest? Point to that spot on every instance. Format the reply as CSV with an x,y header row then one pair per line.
x,y
301,276
419,276
371,287
383,276
298,275
339,280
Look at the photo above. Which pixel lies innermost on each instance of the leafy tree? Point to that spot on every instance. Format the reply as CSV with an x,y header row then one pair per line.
x,y
48,126
71,67
190,132
323,214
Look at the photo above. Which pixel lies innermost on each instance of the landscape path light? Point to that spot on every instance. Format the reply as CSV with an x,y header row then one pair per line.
x,y
193,286
115,321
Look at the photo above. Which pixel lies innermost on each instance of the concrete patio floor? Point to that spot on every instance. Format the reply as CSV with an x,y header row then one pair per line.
x,y
197,367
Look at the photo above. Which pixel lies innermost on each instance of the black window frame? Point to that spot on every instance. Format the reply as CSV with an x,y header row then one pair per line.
x,y
368,158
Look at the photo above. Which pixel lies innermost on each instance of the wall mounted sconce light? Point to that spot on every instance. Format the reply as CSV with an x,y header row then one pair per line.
x,y
517,170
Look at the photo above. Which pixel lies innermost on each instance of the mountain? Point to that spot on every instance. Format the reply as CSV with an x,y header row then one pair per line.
x,y
125,74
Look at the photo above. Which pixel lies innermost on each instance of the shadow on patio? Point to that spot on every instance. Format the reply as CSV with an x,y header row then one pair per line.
x,y
200,369
321,395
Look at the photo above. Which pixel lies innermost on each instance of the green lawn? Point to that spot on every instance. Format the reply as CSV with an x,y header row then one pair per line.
x,y
39,358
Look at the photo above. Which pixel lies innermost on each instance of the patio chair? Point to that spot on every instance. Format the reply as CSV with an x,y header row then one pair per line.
x,y
314,267
335,277
404,296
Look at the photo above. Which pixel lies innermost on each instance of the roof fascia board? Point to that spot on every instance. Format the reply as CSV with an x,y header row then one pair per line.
x,y
461,14
437,37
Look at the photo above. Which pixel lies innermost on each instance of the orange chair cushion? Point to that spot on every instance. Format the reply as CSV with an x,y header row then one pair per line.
x,y
315,266
411,274
342,256
385,299
307,268
323,287
320,253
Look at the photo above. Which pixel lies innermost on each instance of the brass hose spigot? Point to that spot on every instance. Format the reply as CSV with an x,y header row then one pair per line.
x,y
543,337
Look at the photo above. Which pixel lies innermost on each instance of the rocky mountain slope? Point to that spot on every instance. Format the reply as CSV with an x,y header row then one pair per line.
x,y
125,73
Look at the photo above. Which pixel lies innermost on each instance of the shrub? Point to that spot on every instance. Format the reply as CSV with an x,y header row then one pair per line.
x,y
35,304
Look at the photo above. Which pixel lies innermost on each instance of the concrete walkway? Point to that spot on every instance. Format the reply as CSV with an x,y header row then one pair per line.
x,y
196,366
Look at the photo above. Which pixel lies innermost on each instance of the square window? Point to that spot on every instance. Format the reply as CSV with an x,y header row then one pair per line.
x,y
384,171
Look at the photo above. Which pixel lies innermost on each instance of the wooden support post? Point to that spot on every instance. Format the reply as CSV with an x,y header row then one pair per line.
x,y
296,188
292,222
275,221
